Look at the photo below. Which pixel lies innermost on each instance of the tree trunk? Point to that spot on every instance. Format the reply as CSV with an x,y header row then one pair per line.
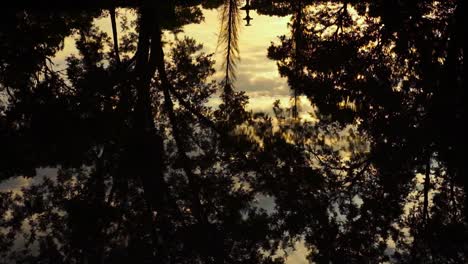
x,y
114,35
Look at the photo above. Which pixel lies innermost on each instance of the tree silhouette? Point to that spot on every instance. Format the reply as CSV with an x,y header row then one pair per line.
x,y
382,67
114,198
144,171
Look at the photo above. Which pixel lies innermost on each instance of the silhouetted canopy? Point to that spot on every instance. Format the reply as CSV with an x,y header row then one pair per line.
x,y
141,167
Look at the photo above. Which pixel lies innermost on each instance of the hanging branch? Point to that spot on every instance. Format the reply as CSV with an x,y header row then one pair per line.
x,y
228,40
114,35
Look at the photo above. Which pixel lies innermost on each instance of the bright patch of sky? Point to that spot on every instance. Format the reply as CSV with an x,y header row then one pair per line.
x,y
256,74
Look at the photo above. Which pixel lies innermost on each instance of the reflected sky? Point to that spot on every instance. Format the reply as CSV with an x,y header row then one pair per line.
x,y
256,74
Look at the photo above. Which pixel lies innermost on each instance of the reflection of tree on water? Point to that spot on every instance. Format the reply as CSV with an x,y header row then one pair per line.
x,y
229,41
232,109
139,196
247,9
148,173
375,65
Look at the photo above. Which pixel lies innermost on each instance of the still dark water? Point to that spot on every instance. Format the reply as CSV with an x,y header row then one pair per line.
x,y
229,131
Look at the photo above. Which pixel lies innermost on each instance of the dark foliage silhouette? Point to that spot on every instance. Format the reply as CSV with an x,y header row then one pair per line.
x,y
141,170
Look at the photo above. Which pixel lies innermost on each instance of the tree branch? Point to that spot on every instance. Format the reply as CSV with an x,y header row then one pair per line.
x,y
114,34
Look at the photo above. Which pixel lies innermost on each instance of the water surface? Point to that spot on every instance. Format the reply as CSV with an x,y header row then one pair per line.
x,y
233,131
